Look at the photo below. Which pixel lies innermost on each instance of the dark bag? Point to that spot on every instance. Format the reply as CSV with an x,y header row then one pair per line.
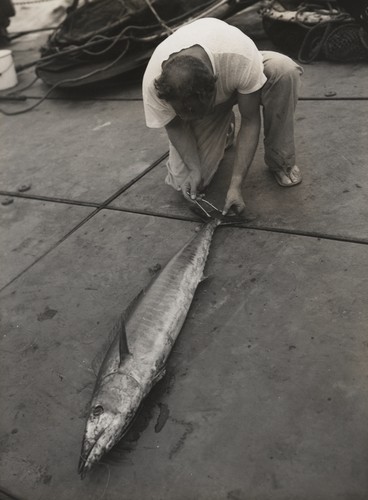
x,y
308,32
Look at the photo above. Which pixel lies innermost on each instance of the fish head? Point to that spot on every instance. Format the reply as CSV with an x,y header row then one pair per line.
x,y
114,404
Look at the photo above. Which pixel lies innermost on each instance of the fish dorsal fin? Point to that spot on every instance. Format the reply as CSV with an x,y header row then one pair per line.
x,y
123,341
118,332
132,305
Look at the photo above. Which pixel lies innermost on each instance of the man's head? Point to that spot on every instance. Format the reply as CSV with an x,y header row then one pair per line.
x,y
188,85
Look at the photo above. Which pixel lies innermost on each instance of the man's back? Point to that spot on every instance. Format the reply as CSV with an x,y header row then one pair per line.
x,y
235,60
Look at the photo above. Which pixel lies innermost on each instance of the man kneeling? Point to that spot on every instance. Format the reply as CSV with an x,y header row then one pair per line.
x,y
191,83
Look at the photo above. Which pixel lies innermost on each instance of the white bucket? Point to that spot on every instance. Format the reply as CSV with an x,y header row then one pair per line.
x,y
8,76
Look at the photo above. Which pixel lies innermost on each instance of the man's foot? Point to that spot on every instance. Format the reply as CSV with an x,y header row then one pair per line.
x,y
291,177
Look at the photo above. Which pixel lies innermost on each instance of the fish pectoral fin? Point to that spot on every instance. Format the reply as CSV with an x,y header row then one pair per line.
x,y
159,375
205,279
123,342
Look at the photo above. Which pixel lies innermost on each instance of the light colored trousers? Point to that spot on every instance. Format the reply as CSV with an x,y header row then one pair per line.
x,y
279,96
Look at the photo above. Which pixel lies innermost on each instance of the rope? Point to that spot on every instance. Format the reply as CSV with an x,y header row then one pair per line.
x,y
30,2
19,91
153,10
76,49
62,82
330,16
95,38
13,36
337,15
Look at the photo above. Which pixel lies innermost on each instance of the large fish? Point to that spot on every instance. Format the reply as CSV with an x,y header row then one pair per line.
x,y
136,359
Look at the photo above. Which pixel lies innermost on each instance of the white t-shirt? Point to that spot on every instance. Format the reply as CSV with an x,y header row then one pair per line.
x,y
234,57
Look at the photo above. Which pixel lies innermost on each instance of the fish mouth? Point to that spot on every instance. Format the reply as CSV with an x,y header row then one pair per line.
x,y
92,451
86,460
83,468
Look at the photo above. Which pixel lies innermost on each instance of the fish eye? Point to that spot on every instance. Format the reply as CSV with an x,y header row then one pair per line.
x,y
98,410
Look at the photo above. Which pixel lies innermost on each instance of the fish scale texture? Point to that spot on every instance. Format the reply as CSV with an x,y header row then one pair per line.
x,y
152,328
163,309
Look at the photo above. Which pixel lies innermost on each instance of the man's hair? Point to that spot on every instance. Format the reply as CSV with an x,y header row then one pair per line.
x,y
182,77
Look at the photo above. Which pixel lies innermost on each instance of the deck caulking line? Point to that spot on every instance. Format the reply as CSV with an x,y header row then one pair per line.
x,y
67,201
86,219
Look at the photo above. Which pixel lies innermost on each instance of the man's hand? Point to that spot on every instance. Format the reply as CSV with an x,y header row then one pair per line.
x,y
234,199
182,138
246,144
190,186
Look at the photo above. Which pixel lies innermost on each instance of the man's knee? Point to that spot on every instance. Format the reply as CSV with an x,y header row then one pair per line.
x,y
280,67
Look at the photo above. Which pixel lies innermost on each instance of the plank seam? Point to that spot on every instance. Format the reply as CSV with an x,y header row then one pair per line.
x,y
86,219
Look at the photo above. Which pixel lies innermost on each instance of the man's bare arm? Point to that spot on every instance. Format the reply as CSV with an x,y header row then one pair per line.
x,y
182,138
246,145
